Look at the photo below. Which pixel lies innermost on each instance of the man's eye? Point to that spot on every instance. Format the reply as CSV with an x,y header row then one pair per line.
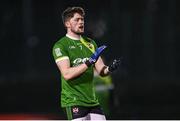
x,y
79,19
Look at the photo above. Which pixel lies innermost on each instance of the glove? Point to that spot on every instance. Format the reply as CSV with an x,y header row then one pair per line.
x,y
95,56
115,64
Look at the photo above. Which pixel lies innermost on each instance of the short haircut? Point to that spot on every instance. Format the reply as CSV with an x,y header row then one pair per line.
x,y
70,11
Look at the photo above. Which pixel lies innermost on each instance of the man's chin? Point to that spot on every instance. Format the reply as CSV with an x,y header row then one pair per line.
x,y
80,32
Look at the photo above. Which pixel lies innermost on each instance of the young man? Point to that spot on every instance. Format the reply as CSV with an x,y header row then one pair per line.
x,y
76,56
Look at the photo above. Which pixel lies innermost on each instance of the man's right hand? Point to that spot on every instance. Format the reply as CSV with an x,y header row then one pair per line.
x,y
95,55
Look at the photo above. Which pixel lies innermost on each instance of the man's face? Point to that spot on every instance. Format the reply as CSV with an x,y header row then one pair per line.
x,y
76,24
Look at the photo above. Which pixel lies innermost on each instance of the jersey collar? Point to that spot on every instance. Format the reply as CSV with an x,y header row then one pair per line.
x,y
71,37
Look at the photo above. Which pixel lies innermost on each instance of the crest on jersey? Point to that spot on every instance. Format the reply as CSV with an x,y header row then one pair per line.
x,y
58,52
90,45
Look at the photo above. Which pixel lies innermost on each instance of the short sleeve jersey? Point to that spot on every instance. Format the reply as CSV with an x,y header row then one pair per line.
x,y
79,90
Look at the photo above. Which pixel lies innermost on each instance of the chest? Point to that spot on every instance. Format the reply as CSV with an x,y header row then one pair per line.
x,y
78,53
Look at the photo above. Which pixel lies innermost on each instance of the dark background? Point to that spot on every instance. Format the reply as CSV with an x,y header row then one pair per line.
x,y
145,33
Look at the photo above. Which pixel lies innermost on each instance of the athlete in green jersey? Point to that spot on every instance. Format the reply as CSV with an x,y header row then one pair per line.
x,y
76,56
79,91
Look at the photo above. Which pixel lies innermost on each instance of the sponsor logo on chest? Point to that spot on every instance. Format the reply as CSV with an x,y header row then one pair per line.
x,y
78,61
72,47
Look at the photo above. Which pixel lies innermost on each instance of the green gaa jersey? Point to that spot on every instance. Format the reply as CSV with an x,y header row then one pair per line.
x,y
80,90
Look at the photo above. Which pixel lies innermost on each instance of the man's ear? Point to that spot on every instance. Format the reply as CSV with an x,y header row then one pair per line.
x,y
67,24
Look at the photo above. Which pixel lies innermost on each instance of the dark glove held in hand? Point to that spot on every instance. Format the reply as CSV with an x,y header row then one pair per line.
x,y
115,64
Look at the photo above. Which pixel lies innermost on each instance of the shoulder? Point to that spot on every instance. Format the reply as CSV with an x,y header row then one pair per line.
x,y
61,41
88,39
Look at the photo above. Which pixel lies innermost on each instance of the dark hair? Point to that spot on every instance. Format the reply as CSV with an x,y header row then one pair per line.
x,y
70,11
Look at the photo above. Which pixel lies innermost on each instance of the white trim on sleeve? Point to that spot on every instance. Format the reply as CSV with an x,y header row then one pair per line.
x,y
61,58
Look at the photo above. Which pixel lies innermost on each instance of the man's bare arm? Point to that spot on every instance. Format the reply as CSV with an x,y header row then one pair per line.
x,y
70,72
101,68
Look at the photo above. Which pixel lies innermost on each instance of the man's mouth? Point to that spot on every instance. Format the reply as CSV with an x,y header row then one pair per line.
x,y
81,27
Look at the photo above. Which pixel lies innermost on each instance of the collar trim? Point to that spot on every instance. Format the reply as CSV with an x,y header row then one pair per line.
x,y
74,38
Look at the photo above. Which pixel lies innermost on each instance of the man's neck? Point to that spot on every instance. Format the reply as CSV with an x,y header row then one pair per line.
x,y
73,36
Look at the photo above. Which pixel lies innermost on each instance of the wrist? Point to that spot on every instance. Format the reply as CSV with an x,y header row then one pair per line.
x,y
108,70
88,64
104,71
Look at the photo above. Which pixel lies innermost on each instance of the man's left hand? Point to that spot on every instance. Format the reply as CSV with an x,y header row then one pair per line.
x,y
115,64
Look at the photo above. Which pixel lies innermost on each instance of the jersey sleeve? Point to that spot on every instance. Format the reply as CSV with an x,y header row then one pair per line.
x,y
59,52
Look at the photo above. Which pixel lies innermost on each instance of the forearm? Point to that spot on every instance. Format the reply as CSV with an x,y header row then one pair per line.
x,y
73,72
